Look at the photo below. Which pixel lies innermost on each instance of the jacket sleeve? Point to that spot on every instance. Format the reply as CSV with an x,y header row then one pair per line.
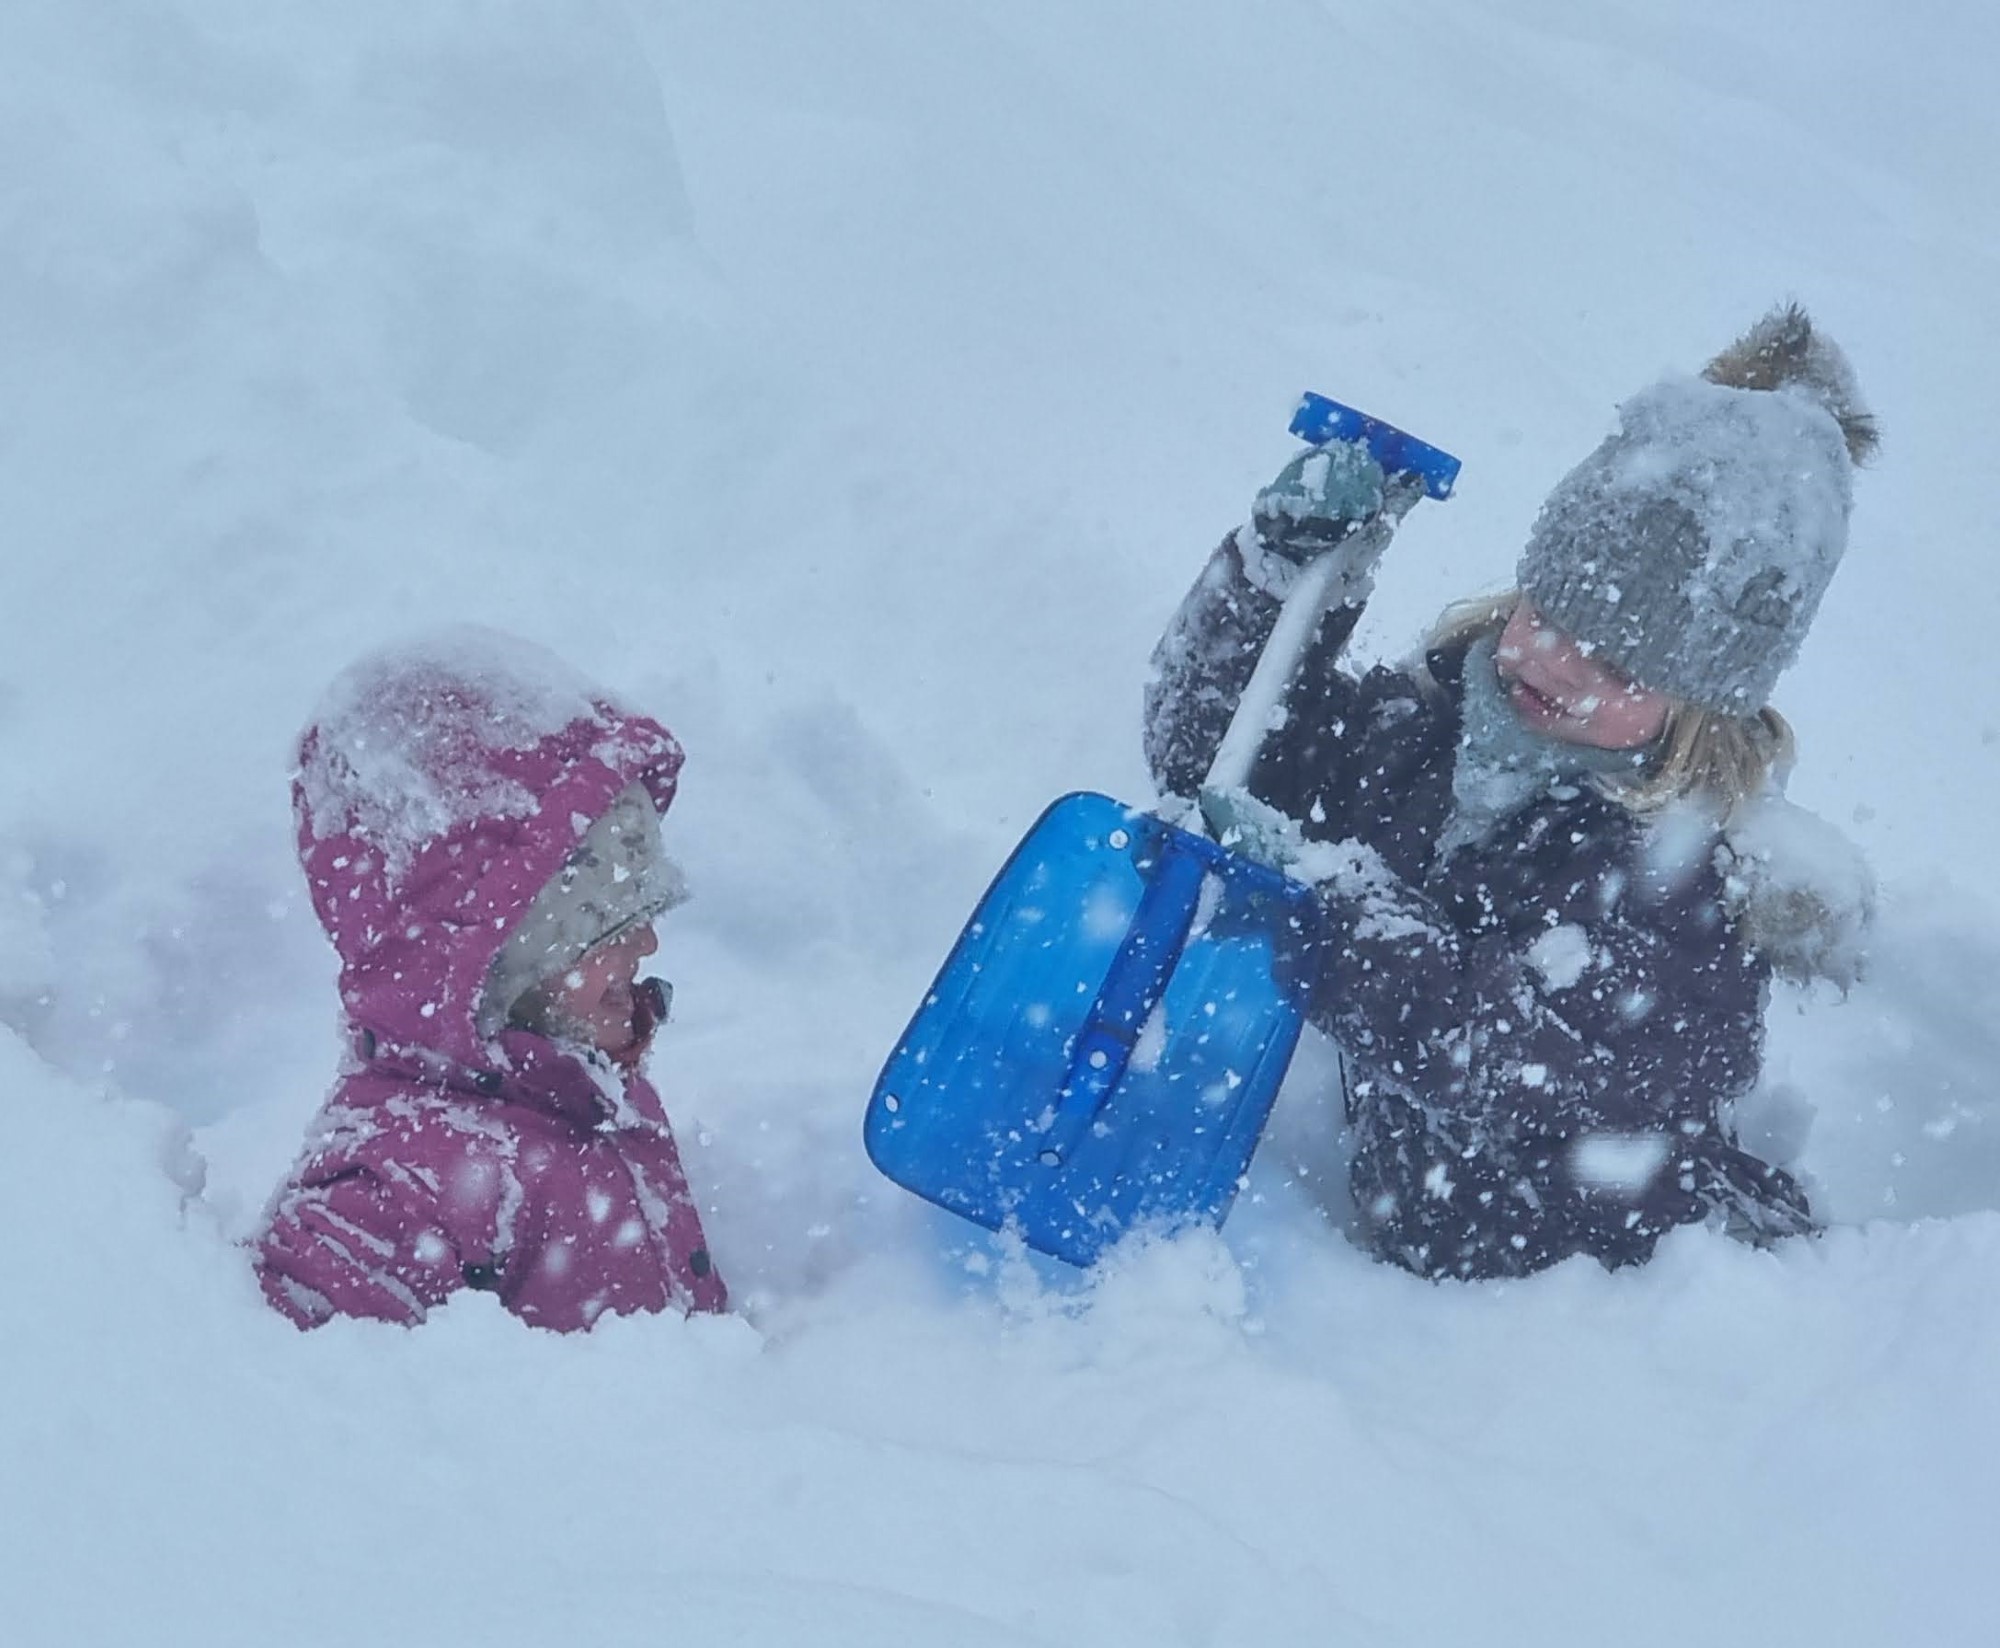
x,y
1209,651
358,1231
1540,1100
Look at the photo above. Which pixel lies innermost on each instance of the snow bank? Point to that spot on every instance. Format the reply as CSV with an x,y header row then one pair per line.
x,y
1270,1443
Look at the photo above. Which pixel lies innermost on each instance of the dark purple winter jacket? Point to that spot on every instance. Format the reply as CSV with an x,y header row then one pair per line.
x,y
1541,1034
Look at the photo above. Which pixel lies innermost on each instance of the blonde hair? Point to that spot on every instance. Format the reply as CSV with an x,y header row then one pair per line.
x,y
1703,755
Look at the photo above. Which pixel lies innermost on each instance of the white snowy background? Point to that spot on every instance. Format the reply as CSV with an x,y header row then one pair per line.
x,y
857,387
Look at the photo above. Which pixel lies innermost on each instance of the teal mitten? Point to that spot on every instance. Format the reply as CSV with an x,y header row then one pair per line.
x,y
1318,499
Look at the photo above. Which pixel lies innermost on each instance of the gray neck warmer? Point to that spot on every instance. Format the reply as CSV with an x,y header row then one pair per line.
x,y
1503,764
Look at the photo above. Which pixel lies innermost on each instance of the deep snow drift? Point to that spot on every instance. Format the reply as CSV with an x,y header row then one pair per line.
x,y
856,388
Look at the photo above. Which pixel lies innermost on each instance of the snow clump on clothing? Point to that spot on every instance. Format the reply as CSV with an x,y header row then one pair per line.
x,y
1802,895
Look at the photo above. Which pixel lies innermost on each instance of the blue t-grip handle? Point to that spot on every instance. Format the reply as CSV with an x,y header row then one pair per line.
x,y
1320,420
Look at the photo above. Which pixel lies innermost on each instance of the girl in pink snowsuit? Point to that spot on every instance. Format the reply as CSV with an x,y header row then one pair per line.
x,y
481,836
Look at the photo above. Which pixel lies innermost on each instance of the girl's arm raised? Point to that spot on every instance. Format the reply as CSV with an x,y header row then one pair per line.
x,y
1322,523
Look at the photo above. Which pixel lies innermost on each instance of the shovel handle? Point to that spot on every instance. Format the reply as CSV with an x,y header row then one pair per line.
x,y
1259,710
1406,461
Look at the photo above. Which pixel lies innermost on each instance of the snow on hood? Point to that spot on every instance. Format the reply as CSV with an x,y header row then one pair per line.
x,y
442,783
406,737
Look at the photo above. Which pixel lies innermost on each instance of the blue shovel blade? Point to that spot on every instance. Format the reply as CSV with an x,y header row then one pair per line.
x,y
1103,1044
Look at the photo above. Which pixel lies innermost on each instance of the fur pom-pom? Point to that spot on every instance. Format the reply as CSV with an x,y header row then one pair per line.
x,y
1783,350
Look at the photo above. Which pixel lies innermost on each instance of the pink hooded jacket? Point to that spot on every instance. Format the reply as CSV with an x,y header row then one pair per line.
x,y
437,792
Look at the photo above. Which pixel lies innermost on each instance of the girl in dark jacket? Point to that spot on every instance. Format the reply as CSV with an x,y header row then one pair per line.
x,y
1547,972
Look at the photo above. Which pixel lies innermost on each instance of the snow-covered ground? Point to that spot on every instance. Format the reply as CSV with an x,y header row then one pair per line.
x,y
856,387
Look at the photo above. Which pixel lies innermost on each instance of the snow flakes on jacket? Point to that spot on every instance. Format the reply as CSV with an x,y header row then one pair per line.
x,y
438,790
1543,1028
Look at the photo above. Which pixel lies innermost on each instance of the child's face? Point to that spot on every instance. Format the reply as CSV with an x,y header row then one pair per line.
x,y
597,995
1564,692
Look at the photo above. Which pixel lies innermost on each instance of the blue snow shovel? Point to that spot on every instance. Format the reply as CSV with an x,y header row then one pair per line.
x,y
1104,1042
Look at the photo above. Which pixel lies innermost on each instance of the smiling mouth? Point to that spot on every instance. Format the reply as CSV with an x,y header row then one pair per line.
x,y
1537,704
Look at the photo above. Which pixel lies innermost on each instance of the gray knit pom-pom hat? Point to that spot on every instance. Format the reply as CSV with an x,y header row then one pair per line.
x,y
1692,548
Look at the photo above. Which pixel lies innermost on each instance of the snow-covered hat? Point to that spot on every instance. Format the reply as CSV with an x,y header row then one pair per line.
x,y
1692,547
618,876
